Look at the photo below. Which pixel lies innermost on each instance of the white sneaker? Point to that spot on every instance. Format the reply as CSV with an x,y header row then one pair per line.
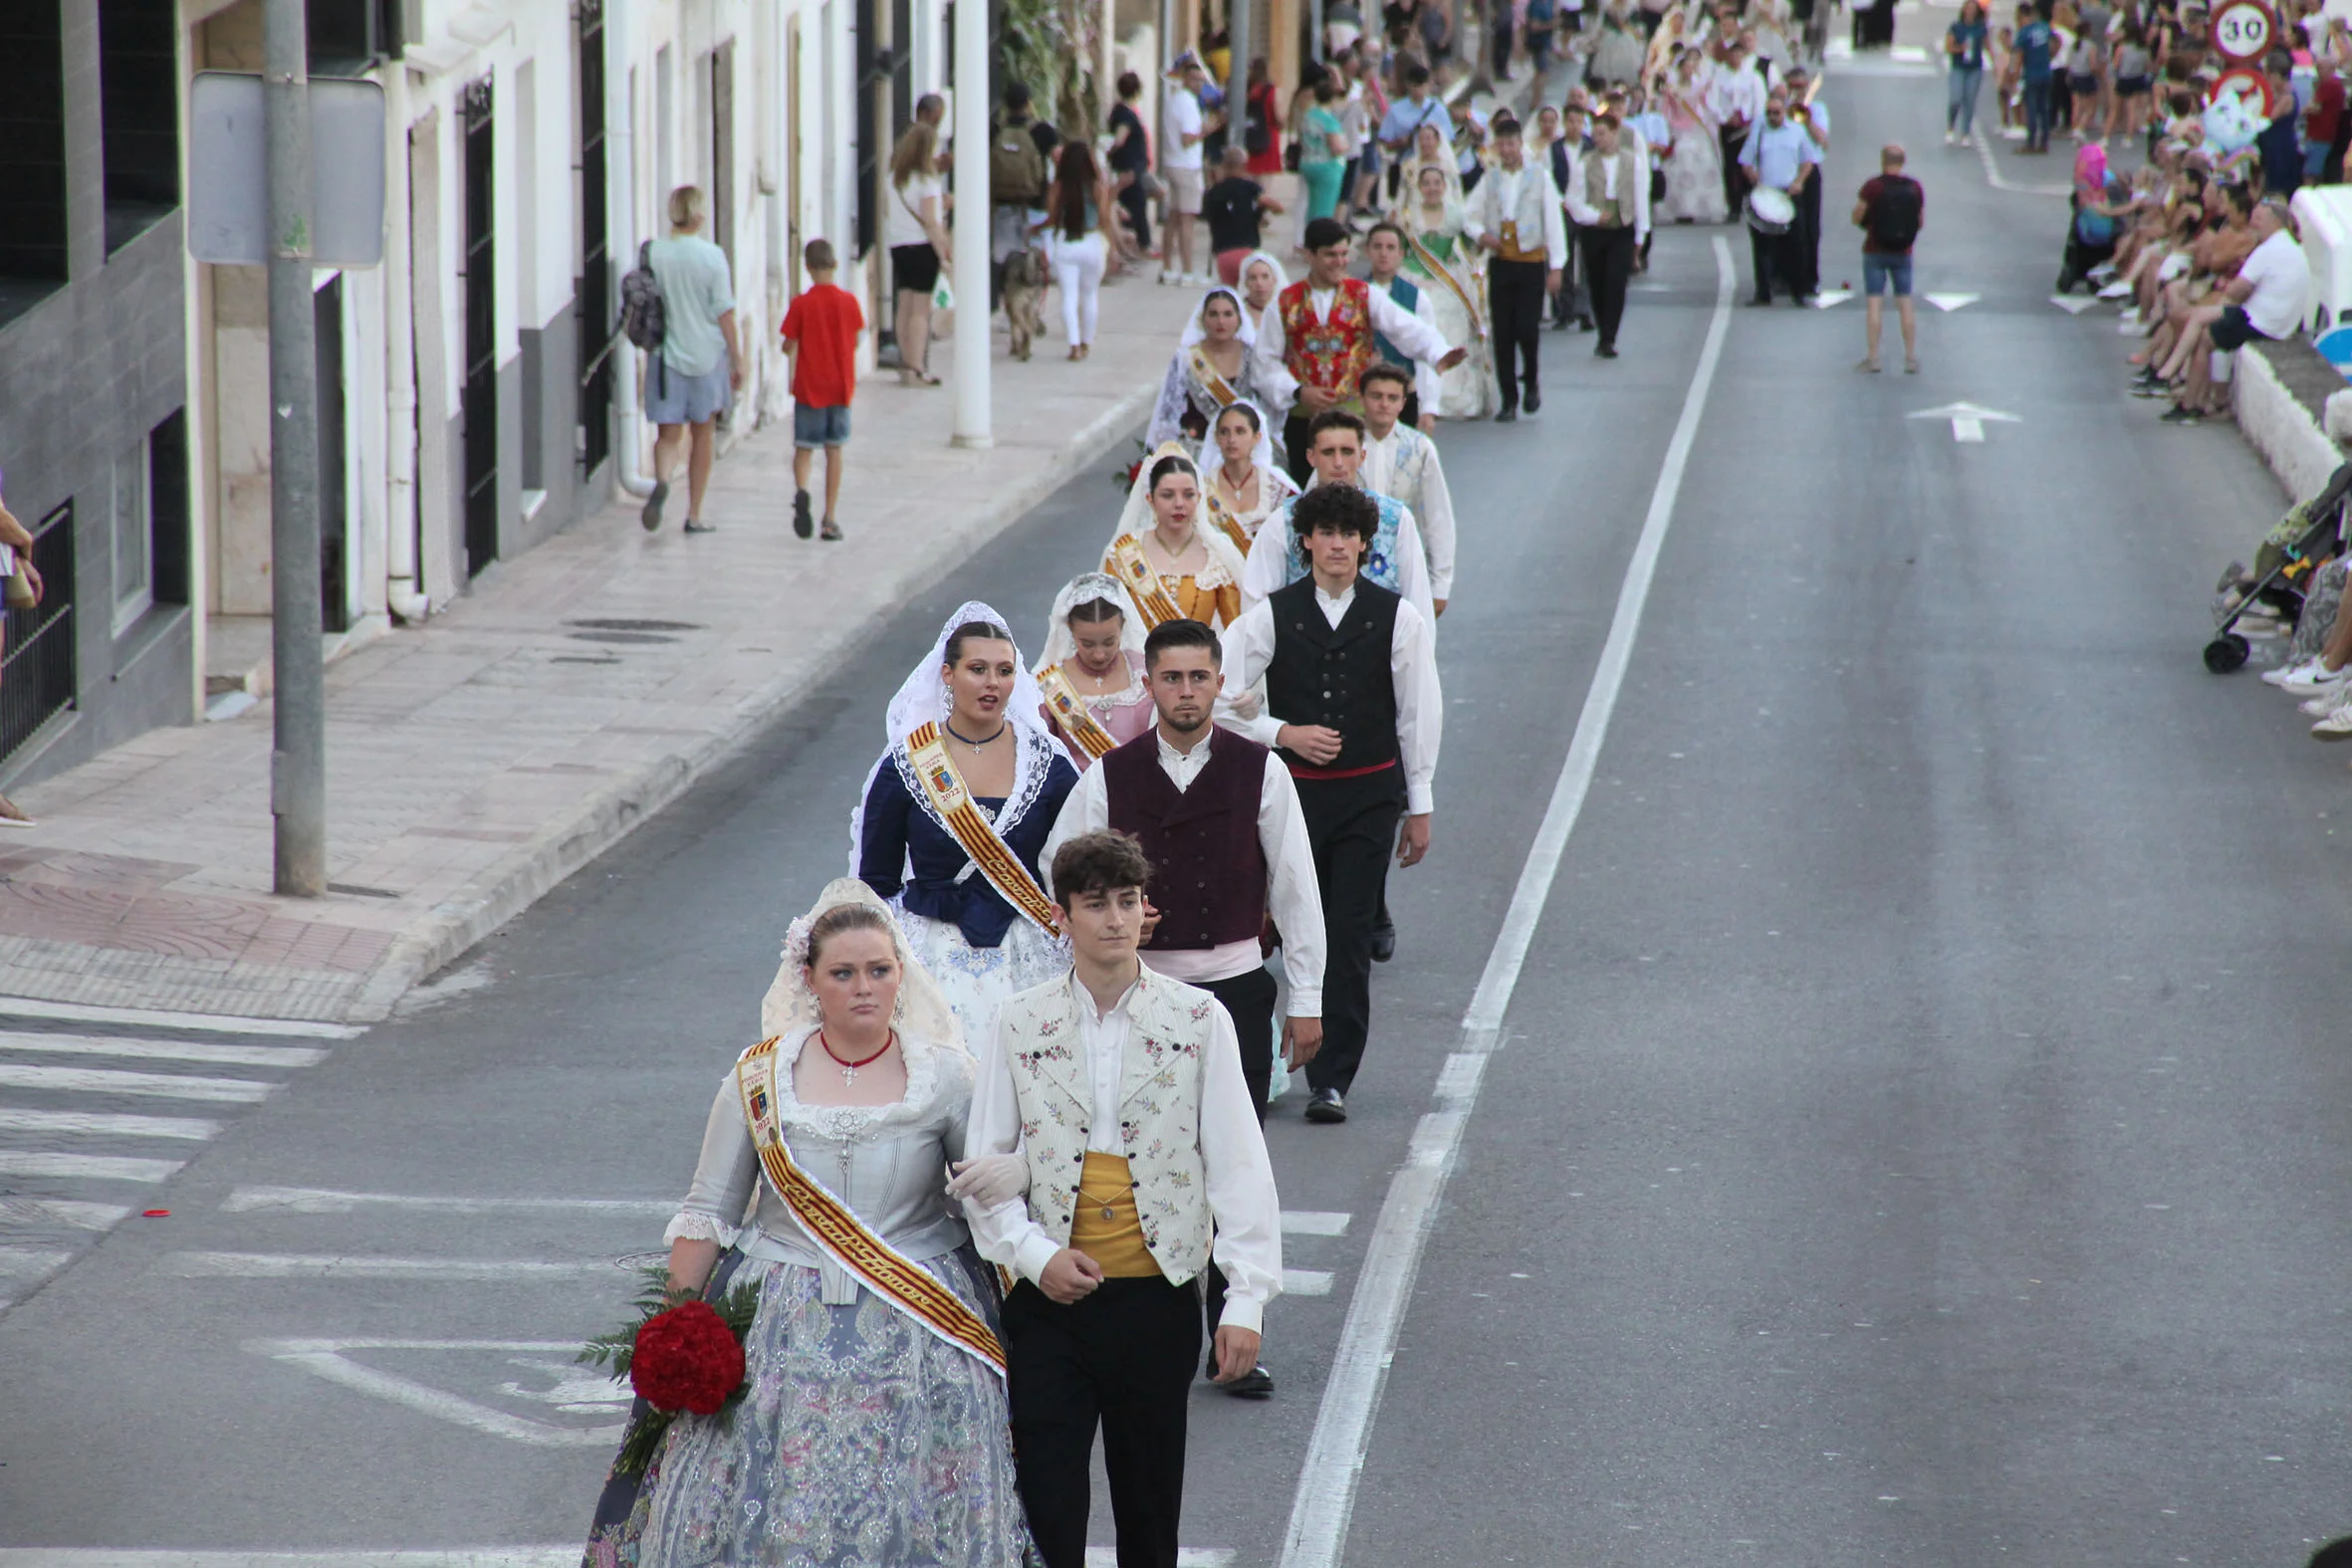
x,y
2116,291
2321,706
2308,680
2280,675
2012,132
2336,725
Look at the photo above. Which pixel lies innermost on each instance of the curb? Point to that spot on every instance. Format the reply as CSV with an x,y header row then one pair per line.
x,y
2280,425
520,880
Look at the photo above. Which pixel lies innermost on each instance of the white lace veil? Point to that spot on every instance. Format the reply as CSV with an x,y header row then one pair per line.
x,y
1084,588
1407,212
1137,518
1211,460
1282,279
1195,333
790,1007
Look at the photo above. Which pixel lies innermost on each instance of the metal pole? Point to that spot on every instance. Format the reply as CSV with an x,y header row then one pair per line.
x,y
1237,74
298,763
971,236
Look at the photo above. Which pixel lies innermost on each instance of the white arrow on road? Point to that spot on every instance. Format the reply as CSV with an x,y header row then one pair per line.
x,y
1953,302
1824,298
2070,304
1967,419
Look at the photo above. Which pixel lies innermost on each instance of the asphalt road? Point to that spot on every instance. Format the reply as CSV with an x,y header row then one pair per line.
x,y
1917,1135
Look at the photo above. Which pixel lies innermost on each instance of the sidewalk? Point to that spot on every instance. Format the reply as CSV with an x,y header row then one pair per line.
x,y
475,762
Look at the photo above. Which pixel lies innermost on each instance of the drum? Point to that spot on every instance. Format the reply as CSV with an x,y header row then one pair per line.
x,y
1770,211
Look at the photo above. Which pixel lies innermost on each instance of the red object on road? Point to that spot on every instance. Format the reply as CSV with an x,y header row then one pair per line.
x,y
154,1213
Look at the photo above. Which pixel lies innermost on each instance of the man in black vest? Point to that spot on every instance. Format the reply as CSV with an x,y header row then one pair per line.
x,y
1229,848
1353,705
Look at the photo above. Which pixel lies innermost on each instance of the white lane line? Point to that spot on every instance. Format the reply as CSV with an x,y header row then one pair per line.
x,y
206,1022
90,1124
329,1265
1314,1222
1306,1282
17,1041
1108,1557
1326,1499
19,1261
1458,1080
1999,181
324,1358
326,1200
93,1167
102,1080
455,1557
60,1214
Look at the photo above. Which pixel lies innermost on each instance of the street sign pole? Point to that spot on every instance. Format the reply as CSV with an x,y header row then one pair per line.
x,y
298,761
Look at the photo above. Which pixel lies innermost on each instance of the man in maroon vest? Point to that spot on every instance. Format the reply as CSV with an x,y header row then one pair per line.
x,y
1229,847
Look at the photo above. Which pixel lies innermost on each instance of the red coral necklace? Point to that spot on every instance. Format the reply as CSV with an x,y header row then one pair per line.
x,y
849,1068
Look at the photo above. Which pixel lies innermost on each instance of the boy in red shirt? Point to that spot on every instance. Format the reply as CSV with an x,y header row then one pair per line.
x,y
820,333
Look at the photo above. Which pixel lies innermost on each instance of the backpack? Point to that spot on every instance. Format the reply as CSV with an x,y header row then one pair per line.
x,y
1894,217
642,318
1016,168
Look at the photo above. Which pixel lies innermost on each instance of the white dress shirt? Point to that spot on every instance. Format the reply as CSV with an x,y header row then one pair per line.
x,y
1527,197
1240,1182
1403,328
1428,384
1736,95
1635,204
1428,501
1412,666
1268,567
1291,893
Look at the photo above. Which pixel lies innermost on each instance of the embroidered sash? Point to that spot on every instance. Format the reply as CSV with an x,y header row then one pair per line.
x,y
1126,563
834,1230
944,786
1070,710
1222,515
1211,381
1440,273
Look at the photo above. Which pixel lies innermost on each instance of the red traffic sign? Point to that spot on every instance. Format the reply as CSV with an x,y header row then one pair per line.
x,y
2246,81
2244,29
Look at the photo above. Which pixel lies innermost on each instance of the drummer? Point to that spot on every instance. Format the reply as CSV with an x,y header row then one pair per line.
x,y
1782,159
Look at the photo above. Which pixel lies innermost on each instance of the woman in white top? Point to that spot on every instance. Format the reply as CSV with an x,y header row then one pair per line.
x,y
914,226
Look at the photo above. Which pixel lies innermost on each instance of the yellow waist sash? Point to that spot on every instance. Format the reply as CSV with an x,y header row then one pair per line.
x,y
1105,1226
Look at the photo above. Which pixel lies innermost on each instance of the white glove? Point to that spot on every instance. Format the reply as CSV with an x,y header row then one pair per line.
x,y
990,1180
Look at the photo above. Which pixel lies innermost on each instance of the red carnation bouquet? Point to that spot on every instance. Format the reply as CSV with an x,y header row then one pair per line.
x,y
682,1357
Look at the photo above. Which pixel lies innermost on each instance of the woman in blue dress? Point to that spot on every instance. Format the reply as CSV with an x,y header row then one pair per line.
x,y
975,925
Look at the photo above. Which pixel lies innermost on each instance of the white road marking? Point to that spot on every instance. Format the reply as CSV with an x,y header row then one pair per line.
x,y
1311,1221
89,1124
65,1213
207,1022
1824,298
1108,1557
1459,1077
17,1262
325,1358
22,1041
455,1557
329,1265
1306,1282
98,1168
102,1080
1952,302
326,1200
1326,1499
1999,181
1967,419
1912,53
2070,304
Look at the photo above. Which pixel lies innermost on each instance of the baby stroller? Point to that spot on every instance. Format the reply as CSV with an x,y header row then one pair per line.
x,y
2310,533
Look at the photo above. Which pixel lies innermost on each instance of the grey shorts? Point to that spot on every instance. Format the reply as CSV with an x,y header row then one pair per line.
x,y
672,398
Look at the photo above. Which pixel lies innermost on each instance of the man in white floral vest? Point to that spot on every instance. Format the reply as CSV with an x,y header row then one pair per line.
x,y
1125,1090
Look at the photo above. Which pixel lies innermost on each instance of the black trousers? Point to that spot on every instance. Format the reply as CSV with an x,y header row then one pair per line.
x,y
1734,186
1782,254
1137,206
1351,825
1608,261
1249,997
1808,222
1514,291
1123,1360
1574,299
1295,447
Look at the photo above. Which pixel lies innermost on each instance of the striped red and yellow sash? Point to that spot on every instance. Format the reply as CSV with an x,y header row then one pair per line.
x,y
944,786
836,1231
1069,711
1125,561
1212,382
1222,515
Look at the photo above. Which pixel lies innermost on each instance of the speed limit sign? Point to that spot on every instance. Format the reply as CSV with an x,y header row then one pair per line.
x,y
2244,29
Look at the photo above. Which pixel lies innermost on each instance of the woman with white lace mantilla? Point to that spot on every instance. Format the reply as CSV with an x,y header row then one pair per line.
x,y
953,815
873,1425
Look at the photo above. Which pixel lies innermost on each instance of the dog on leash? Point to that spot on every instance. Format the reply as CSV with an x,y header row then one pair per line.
x,y
1025,294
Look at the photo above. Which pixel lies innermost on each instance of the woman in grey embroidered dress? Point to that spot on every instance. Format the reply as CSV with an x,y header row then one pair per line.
x,y
1209,373
862,1437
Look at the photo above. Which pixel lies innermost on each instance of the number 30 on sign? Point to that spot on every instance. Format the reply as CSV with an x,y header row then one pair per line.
x,y
2244,29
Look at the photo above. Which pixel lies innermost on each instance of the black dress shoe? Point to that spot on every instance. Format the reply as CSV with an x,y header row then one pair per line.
x,y
1256,1383
1507,416
1326,1105
1384,943
1584,323
1762,299
1533,401
1605,352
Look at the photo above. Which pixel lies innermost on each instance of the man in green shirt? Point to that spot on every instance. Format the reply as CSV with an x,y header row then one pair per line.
x,y
699,367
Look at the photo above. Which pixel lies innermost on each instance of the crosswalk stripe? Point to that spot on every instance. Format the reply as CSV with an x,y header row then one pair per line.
x,y
17,1262
143,1017
100,1168
60,1214
16,1042
102,1080
95,1125
1306,1282
326,1200
299,1265
1313,1222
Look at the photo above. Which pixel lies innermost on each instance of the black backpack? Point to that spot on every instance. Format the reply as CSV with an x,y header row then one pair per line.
x,y
1894,217
643,322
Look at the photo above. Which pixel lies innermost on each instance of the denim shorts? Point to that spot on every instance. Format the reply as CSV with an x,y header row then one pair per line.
x,y
675,398
814,427
1881,272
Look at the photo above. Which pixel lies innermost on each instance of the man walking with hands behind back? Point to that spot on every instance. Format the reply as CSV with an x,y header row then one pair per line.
x,y
698,369
1890,212
1516,215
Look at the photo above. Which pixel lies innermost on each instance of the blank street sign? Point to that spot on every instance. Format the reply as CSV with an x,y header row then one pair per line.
x,y
228,191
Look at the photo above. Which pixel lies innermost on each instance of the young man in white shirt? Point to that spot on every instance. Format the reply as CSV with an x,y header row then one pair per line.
x,y
1516,215
1219,817
1181,136
1125,1091
1608,194
1384,253
1735,100
1402,464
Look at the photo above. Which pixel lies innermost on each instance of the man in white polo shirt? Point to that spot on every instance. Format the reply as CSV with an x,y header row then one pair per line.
x,y
2264,300
1180,159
